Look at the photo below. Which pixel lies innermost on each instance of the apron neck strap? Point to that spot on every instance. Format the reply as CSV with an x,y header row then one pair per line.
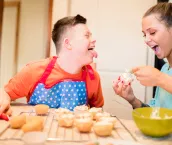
x,y
88,69
48,70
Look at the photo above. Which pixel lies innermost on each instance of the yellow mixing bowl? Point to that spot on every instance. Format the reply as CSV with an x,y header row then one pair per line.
x,y
155,122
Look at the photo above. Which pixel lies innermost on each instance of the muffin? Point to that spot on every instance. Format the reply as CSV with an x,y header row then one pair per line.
x,y
108,119
80,109
61,111
66,120
84,115
84,124
103,128
41,109
17,121
103,114
94,111
127,77
34,118
34,125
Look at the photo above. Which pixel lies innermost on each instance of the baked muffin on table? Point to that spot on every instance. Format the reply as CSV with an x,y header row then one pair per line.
x,y
94,111
108,119
66,120
41,109
103,128
84,124
80,109
61,111
101,114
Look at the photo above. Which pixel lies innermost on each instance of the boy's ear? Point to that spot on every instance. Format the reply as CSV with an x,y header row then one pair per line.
x,y
67,44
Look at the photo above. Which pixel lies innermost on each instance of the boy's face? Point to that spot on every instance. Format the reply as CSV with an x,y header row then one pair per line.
x,y
82,44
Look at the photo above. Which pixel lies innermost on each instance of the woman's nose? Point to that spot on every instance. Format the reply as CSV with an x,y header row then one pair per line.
x,y
147,39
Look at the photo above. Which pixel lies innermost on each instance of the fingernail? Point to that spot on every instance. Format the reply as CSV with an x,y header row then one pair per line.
x,y
119,78
122,82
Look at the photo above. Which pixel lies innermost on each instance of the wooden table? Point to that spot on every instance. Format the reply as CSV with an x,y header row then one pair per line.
x,y
124,130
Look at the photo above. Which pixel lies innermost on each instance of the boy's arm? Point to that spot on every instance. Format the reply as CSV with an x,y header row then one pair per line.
x,y
4,101
20,85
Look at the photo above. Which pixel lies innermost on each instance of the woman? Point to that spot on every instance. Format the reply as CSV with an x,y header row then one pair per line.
x,y
157,30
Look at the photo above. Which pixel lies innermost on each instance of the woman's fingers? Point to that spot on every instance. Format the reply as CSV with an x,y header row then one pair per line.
x,y
119,88
137,71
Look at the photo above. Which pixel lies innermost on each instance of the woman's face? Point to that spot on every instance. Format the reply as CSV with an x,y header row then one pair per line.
x,y
157,36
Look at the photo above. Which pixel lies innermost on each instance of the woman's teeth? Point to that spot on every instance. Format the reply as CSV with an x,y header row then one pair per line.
x,y
155,48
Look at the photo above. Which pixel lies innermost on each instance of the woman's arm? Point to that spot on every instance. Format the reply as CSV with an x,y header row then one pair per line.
x,y
165,82
136,103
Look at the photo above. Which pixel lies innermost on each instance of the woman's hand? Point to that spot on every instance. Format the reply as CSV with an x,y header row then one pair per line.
x,y
125,91
147,75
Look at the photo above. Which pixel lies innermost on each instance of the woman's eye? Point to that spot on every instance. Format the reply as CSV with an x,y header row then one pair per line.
x,y
152,33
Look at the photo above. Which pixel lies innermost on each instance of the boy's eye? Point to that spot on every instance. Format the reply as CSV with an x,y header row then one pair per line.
x,y
87,35
144,34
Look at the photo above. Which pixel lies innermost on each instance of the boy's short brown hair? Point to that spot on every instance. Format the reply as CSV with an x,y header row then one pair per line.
x,y
62,25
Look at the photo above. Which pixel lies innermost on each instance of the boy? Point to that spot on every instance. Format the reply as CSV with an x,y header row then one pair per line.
x,y
64,81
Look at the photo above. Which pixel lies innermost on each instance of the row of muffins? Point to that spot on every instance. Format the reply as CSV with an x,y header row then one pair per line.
x,y
84,119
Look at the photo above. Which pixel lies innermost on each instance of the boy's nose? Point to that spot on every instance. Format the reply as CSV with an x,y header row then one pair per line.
x,y
93,41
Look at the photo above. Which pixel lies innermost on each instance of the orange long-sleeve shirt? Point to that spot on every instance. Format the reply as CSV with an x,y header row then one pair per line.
x,y
23,83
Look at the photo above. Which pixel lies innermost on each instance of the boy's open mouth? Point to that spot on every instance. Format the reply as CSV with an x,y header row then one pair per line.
x,y
90,48
94,53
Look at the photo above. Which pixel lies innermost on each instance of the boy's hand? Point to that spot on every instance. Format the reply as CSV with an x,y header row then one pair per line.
x,y
4,117
125,91
4,102
147,75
